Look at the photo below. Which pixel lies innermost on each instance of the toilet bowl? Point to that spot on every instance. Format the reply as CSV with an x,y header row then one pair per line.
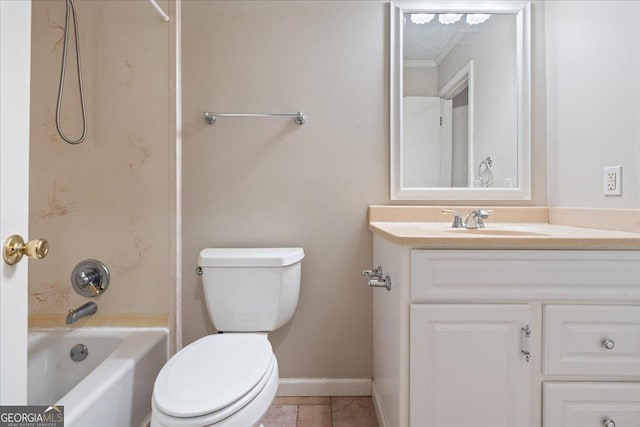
x,y
230,379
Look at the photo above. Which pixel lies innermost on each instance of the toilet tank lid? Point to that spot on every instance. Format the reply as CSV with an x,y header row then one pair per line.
x,y
249,257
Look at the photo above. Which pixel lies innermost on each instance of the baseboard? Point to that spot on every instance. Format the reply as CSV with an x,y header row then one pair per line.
x,y
324,387
382,420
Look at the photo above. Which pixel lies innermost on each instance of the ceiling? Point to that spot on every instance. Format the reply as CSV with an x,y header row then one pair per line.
x,y
432,41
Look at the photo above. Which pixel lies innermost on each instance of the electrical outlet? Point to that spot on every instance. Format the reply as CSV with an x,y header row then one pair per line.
x,y
613,181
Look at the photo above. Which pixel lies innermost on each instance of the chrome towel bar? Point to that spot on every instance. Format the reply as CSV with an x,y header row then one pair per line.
x,y
211,118
158,9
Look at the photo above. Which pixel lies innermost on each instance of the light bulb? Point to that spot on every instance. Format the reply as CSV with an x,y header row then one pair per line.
x,y
449,18
477,18
422,18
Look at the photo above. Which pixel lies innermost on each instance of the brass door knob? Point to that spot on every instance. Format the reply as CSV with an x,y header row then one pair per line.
x,y
15,248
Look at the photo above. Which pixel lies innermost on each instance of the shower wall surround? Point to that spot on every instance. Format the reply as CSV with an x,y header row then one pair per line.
x,y
107,198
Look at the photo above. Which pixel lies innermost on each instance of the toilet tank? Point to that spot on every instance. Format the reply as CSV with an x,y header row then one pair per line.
x,y
250,289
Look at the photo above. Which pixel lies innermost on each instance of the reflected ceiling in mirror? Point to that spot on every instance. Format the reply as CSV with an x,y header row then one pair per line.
x,y
459,102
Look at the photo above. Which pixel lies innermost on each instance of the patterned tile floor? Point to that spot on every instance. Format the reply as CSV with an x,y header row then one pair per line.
x,y
321,412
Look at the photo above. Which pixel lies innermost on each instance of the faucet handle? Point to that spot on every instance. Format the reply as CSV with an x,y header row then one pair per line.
x,y
90,278
484,213
478,215
95,290
457,219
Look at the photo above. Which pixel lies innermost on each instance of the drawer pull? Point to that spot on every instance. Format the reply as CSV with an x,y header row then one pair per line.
x,y
609,344
526,343
608,422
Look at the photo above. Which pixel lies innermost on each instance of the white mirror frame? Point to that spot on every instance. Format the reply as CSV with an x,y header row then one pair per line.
x,y
522,11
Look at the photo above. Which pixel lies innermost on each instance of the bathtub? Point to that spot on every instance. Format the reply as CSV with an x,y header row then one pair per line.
x,y
111,387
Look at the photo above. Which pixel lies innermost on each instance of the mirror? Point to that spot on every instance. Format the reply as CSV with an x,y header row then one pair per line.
x,y
460,101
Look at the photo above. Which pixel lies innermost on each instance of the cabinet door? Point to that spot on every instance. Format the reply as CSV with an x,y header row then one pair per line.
x,y
467,368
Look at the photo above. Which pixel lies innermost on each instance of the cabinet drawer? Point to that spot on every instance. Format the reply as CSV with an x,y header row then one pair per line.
x,y
495,276
591,340
591,404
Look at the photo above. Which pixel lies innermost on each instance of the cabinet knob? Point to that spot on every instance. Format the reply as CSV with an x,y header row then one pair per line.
x,y
608,344
608,422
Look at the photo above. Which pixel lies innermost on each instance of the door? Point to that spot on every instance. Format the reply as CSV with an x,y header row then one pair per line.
x,y
446,142
467,366
15,56
420,141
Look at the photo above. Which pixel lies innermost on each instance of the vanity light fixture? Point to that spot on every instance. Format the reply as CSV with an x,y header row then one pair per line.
x,y
477,18
449,18
422,18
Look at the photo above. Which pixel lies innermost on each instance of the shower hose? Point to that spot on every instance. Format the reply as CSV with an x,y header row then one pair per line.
x,y
70,10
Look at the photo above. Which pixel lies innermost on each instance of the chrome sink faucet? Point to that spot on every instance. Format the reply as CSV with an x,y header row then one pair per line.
x,y
474,220
84,310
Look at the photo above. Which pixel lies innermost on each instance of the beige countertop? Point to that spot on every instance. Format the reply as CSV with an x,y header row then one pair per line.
x,y
435,231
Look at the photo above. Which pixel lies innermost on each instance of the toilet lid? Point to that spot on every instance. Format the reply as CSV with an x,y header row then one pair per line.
x,y
212,373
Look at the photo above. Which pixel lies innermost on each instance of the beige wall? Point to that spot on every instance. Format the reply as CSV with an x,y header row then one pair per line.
x,y
271,182
594,116
107,198
419,81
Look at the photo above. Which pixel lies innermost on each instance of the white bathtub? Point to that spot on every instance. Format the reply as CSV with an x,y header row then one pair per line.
x,y
111,387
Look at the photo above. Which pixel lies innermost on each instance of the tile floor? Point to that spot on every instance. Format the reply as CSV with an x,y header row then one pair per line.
x,y
321,412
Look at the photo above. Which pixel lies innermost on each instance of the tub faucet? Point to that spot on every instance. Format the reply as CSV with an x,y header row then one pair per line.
x,y
83,311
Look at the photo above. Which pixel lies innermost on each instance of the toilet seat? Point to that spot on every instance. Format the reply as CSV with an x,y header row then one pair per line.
x,y
213,378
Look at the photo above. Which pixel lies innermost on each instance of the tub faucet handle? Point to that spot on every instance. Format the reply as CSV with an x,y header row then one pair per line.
x,y
90,278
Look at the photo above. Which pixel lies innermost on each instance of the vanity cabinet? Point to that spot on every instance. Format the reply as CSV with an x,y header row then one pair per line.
x,y
507,338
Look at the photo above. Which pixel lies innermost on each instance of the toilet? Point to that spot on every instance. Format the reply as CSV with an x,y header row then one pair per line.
x,y
230,379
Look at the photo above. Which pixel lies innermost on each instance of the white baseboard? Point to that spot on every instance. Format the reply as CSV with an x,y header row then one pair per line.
x,y
324,387
382,421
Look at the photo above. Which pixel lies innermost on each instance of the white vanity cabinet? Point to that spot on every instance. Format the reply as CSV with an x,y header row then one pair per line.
x,y
499,338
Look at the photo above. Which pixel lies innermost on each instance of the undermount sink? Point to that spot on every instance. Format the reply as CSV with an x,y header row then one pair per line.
x,y
496,232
